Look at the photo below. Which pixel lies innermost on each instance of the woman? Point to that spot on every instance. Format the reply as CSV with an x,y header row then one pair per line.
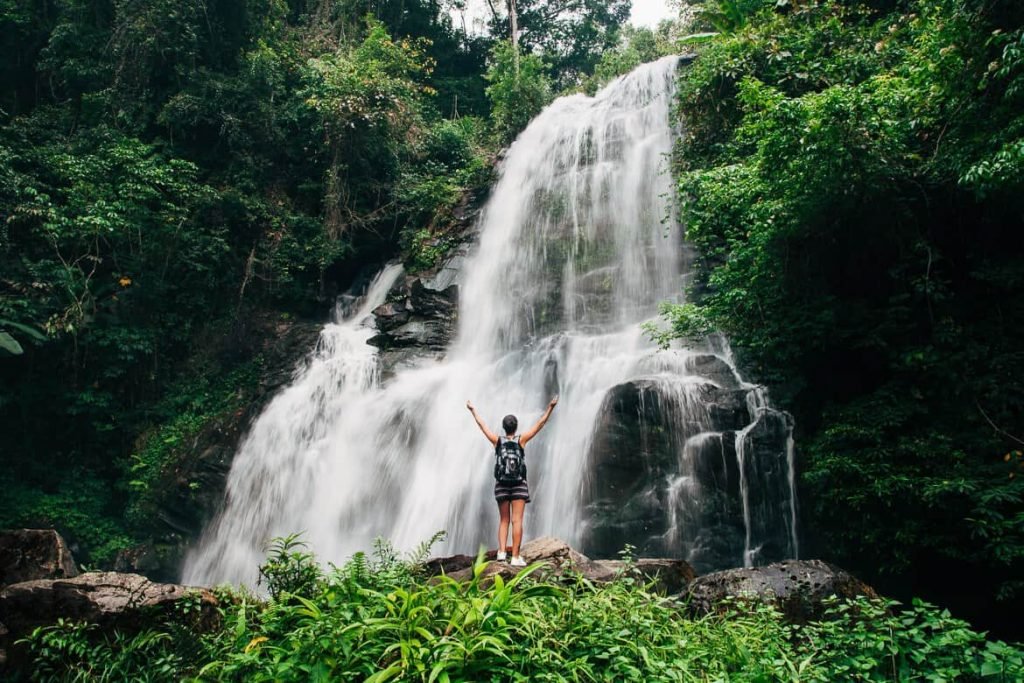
x,y
512,497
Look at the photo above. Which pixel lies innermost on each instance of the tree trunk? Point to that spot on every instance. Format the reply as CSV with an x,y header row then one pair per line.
x,y
514,21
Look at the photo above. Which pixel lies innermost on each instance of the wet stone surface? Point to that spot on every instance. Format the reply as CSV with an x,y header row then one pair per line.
x,y
666,476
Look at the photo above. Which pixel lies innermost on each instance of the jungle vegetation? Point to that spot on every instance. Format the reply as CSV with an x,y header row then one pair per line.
x,y
175,174
851,175
380,618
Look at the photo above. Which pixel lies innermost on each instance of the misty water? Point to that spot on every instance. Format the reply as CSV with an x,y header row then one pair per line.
x,y
578,244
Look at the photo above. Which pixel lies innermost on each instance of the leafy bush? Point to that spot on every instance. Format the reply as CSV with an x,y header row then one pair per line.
x,y
192,406
74,652
878,641
519,89
289,570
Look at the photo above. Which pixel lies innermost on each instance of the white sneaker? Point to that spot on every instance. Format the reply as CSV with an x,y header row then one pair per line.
x,y
517,561
501,556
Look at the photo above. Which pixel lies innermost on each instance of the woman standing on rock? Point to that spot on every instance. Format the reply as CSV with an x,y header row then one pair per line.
x,y
510,487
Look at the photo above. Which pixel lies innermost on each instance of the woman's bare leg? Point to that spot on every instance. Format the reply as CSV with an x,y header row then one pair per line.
x,y
518,507
503,512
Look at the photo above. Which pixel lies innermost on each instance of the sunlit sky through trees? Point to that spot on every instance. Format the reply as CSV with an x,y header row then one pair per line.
x,y
650,12
645,13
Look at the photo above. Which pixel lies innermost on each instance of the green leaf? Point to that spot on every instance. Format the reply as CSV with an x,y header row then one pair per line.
x,y
991,668
393,671
30,331
438,673
10,344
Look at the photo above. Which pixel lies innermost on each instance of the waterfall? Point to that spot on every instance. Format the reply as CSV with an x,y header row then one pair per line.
x,y
578,246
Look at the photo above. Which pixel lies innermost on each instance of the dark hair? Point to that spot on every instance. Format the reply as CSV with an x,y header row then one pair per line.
x,y
509,424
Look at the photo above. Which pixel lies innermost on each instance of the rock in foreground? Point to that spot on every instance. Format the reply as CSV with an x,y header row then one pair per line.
x,y
797,587
31,554
104,598
560,560
125,602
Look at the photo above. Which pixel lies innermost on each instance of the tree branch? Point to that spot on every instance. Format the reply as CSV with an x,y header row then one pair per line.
x,y
994,426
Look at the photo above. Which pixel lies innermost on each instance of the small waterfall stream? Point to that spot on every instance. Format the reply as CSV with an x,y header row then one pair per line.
x,y
667,450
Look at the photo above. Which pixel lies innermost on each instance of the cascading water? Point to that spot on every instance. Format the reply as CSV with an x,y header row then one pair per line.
x,y
578,245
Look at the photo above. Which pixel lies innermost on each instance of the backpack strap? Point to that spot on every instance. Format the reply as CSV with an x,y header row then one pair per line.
x,y
502,440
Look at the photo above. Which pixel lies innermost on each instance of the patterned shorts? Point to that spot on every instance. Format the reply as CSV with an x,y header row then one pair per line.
x,y
517,491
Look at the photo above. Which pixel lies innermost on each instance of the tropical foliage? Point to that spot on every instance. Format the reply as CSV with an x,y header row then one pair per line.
x,y
848,178
518,90
378,619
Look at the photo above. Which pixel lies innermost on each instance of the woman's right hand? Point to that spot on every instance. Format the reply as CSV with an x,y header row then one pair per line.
x,y
469,406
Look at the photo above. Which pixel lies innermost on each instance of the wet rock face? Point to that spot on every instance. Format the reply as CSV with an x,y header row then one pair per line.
x,y
419,318
797,588
416,321
636,455
765,462
31,554
665,474
713,368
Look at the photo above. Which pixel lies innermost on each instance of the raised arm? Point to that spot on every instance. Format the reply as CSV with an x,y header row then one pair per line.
x,y
480,423
532,431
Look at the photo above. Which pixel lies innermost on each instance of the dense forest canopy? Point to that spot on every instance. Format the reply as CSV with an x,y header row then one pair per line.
x,y
177,177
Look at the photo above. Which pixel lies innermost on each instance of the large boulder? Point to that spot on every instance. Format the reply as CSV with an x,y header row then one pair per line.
x,y
663,467
30,554
113,601
688,461
110,599
560,560
555,552
450,565
665,576
798,588
558,557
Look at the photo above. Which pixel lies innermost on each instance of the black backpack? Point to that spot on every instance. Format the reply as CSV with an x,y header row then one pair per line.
x,y
509,461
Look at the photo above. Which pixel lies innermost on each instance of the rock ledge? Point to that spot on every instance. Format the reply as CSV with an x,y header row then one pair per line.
x,y
666,576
